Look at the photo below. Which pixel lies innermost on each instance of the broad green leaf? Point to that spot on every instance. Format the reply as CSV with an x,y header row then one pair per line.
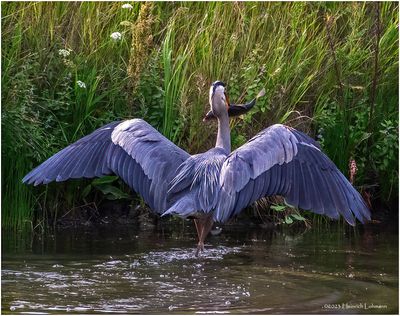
x,y
278,208
288,220
103,180
112,192
298,217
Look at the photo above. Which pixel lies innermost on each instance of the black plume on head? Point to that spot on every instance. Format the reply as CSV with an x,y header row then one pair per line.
x,y
217,84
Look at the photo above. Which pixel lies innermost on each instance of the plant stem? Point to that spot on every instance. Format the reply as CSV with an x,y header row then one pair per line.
x,y
376,68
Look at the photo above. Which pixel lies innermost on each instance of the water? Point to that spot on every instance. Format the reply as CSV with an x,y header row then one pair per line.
x,y
243,270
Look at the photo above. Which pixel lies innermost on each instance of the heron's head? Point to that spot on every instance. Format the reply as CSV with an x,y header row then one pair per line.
x,y
219,101
220,105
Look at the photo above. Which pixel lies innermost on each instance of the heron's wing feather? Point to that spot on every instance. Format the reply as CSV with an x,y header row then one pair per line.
x,y
283,161
86,158
132,149
157,157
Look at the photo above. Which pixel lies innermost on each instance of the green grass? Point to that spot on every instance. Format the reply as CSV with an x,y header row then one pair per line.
x,y
316,61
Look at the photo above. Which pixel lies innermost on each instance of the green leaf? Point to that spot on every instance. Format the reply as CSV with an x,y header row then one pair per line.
x,y
86,191
103,180
112,192
288,220
365,136
298,217
278,208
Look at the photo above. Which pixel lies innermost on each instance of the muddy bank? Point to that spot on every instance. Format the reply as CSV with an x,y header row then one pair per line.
x,y
124,213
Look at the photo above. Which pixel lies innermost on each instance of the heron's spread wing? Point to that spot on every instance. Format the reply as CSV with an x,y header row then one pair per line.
x,y
132,149
283,161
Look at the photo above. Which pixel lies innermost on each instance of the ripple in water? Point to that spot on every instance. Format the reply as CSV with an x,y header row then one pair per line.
x,y
257,278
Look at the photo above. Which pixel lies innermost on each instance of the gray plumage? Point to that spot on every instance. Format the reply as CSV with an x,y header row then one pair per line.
x,y
132,149
218,184
283,161
196,185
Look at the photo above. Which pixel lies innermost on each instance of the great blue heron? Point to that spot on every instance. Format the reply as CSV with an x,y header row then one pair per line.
x,y
216,185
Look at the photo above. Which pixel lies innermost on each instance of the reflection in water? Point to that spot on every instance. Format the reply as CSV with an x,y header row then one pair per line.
x,y
255,271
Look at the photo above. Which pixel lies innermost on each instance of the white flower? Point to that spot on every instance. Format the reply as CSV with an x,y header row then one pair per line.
x,y
81,84
64,52
127,6
116,36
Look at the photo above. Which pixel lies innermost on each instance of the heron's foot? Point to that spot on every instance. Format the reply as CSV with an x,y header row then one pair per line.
x,y
200,248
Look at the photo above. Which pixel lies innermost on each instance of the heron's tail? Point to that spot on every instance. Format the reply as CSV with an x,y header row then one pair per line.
x,y
184,207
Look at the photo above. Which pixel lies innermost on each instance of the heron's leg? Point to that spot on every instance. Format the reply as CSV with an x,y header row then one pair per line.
x,y
208,222
205,227
199,227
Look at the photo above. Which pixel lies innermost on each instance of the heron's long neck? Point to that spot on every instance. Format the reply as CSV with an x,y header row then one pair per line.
x,y
224,133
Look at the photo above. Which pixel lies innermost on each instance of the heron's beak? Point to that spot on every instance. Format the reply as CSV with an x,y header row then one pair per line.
x,y
236,109
227,101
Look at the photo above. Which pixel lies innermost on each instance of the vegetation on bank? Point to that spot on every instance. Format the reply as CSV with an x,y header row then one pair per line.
x,y
329,69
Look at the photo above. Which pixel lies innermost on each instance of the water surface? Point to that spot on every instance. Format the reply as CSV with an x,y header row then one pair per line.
x,y
243,270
